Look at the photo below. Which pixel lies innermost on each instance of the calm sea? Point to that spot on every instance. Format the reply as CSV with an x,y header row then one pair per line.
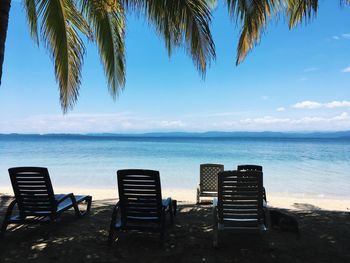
x,y
310,166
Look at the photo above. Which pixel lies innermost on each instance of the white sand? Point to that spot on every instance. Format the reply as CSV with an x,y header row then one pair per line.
x,y
282,200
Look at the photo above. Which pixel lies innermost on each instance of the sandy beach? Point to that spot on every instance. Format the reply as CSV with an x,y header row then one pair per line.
x,y
324,236
280,200
323,224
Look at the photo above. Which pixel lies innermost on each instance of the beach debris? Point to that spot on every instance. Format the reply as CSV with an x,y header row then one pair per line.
x,y
39,247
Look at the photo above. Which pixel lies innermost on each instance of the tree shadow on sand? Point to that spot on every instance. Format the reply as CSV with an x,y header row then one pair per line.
x,y
324,238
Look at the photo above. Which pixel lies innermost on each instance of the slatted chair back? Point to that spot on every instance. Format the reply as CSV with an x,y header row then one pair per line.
x,y
250,167
140,196
209,177
240,199
33,191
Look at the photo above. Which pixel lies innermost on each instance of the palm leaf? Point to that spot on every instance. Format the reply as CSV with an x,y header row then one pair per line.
x,y
60,21
180,22
345,2
107,19
30,8
299,10
253,17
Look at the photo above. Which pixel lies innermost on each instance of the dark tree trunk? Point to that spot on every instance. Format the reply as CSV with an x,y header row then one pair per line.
x,y
5,6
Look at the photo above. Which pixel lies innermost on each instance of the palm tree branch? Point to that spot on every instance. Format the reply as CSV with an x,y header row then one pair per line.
x,y
180,22
299,10
108,25
58,18
30,9
253,17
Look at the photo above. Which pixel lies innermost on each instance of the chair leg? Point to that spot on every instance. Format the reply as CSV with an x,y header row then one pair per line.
x,y
5,223
88,207
216,237
112,224
197,199
79,213
174,207
215,228
3,228
111,235
161,238
171,212
75,206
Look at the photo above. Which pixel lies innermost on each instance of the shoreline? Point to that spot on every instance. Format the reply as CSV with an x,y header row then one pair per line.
x,y
291,201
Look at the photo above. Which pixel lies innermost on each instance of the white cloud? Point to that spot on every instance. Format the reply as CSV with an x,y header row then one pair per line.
x,y
341,36
308,123
342,117
347,35
307,105
316,105
264,97
337,104
170,124
266,120
128,122
280,109
85,123
346,70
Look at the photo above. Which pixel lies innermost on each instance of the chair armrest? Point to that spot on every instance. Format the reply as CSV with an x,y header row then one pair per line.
x,y
70,195
264,194
7,218
10,208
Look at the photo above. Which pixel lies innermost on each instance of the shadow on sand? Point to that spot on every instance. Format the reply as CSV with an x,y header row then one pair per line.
x,y
324,238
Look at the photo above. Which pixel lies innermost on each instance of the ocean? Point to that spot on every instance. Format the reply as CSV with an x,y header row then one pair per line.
x,y
318,167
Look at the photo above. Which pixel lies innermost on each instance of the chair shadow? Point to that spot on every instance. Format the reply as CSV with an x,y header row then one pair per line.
x,y
323,235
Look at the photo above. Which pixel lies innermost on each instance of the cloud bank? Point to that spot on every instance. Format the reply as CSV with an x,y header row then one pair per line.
x,y
307,104
129,122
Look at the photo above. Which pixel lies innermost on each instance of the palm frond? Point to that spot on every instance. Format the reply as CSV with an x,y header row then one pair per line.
x,y
253,17
30,8
181,22
107,18
60,21
344,2
213,4
301,10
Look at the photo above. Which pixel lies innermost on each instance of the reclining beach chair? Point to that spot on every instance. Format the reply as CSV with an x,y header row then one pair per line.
x,y
35,198
239,206
140,205
253,167
208,180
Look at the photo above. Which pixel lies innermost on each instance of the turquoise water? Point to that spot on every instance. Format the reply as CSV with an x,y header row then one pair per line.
x,y
311,166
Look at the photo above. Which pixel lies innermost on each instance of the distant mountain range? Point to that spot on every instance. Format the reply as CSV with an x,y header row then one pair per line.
x,y
210,134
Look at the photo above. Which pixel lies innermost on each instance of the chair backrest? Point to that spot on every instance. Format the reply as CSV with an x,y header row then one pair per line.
x,y
249,167
33,191
209,176
240,199
140,196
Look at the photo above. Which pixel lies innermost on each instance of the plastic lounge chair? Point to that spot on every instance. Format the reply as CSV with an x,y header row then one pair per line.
x,y
253,167
208,180
35,198
239,206
140,205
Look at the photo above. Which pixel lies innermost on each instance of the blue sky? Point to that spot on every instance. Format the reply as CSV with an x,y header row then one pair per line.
x,y
295,80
